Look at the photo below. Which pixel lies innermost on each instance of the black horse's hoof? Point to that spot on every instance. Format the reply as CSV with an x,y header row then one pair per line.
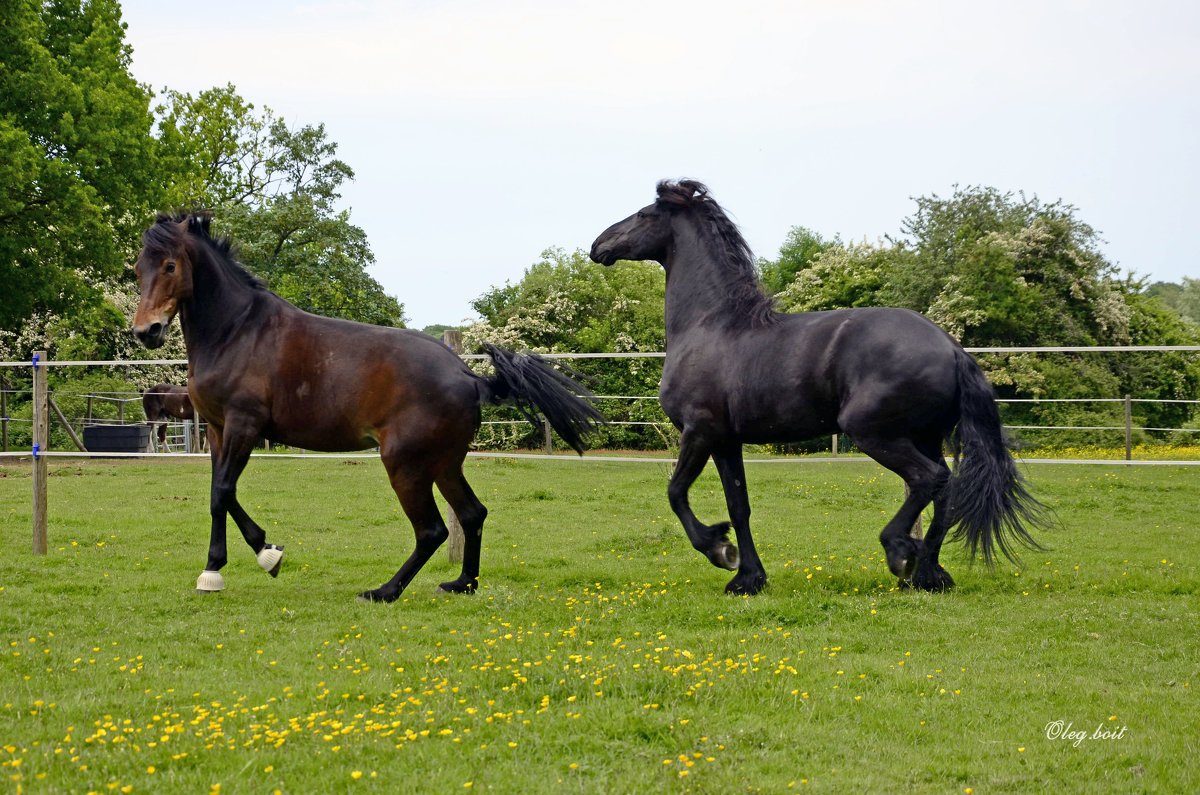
x,y
930,578
724,555
902,554
747,585
459,586
378,595
721,552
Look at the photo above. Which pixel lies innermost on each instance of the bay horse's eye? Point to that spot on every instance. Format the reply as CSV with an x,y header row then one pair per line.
x,y
169,268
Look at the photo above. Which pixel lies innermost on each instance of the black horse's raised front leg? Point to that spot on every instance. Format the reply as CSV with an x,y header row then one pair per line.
x,y
750,577
712,540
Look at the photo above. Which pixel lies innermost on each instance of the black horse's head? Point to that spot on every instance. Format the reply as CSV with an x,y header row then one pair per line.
x,y
647,234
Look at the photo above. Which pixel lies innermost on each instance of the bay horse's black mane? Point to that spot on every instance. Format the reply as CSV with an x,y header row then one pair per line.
x,y
164,235
744,289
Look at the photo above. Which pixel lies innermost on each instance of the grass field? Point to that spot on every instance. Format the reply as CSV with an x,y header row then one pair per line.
x,y
600,653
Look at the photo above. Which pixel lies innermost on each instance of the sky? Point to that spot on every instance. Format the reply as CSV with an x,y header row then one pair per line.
x,y
483,132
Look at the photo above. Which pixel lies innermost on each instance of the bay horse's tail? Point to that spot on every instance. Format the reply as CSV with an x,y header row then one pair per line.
x,y
527,380
988,498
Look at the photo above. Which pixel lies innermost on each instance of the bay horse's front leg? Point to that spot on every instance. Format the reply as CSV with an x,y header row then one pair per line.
x,y
711,540
230,452
751,577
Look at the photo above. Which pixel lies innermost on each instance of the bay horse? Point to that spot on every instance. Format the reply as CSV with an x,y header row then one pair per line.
x,y
166,400
260,367
739,372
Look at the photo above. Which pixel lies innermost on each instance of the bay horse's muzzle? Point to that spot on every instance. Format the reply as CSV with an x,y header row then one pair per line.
x,y
152,336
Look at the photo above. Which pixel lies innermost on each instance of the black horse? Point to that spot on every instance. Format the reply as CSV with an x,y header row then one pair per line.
x,y
260,367
738,372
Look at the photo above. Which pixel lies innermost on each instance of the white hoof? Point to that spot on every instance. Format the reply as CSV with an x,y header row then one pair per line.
x,y
269,557
210,582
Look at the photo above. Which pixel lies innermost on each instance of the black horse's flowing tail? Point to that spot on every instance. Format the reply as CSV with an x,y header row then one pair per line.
x,y
533,385
988,498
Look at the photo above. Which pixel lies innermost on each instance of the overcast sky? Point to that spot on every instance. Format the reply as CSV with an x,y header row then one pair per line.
x,y
482,133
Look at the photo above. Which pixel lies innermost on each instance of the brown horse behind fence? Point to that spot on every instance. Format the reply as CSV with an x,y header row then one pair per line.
x,y
258,366
166,400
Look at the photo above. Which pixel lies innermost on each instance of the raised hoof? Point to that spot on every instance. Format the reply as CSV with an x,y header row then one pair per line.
x,y
721,553
746,586
458,586
210,582
270,557
724,555
902,556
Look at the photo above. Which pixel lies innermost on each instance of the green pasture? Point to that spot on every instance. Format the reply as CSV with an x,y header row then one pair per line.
x,y
600,653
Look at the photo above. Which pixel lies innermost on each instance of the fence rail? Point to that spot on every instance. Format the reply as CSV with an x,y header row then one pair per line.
x,y
43,403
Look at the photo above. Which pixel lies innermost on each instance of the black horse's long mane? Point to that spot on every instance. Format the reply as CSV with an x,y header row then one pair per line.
x,y
164,235
744,289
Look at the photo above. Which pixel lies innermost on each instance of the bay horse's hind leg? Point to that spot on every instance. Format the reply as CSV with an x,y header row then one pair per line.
x,y
413,484
471,513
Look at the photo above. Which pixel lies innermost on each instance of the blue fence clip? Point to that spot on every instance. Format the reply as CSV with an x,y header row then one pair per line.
x,y
35,361
36,446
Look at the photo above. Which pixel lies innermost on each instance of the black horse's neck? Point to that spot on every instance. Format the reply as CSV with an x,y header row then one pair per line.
x,y
224,296
711,280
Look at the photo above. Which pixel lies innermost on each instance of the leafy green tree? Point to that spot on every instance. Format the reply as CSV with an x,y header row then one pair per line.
x,y
798,252
1183,298
77,175
274,189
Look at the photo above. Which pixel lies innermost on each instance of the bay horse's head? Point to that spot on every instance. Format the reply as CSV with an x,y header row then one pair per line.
x,y
647,234
164,271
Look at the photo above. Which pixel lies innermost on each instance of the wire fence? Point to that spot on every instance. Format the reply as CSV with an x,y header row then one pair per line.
x,y
179,431
42,403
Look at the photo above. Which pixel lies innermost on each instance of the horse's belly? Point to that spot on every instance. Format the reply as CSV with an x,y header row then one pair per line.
x,y
798,427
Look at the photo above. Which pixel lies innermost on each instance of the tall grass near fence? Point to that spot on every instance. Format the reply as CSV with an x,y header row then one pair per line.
x,y
600,654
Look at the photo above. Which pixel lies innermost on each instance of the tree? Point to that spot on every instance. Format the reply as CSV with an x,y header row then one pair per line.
x,y
1183,298
77,175
799,250
273,189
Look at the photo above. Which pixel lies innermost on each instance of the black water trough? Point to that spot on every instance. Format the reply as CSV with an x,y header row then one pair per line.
x,y
116,438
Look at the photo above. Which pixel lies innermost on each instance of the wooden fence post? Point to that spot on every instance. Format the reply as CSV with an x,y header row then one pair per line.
x,y
454,545
41,445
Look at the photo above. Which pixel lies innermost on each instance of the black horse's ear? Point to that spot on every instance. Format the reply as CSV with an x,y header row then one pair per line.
x,y
198,224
